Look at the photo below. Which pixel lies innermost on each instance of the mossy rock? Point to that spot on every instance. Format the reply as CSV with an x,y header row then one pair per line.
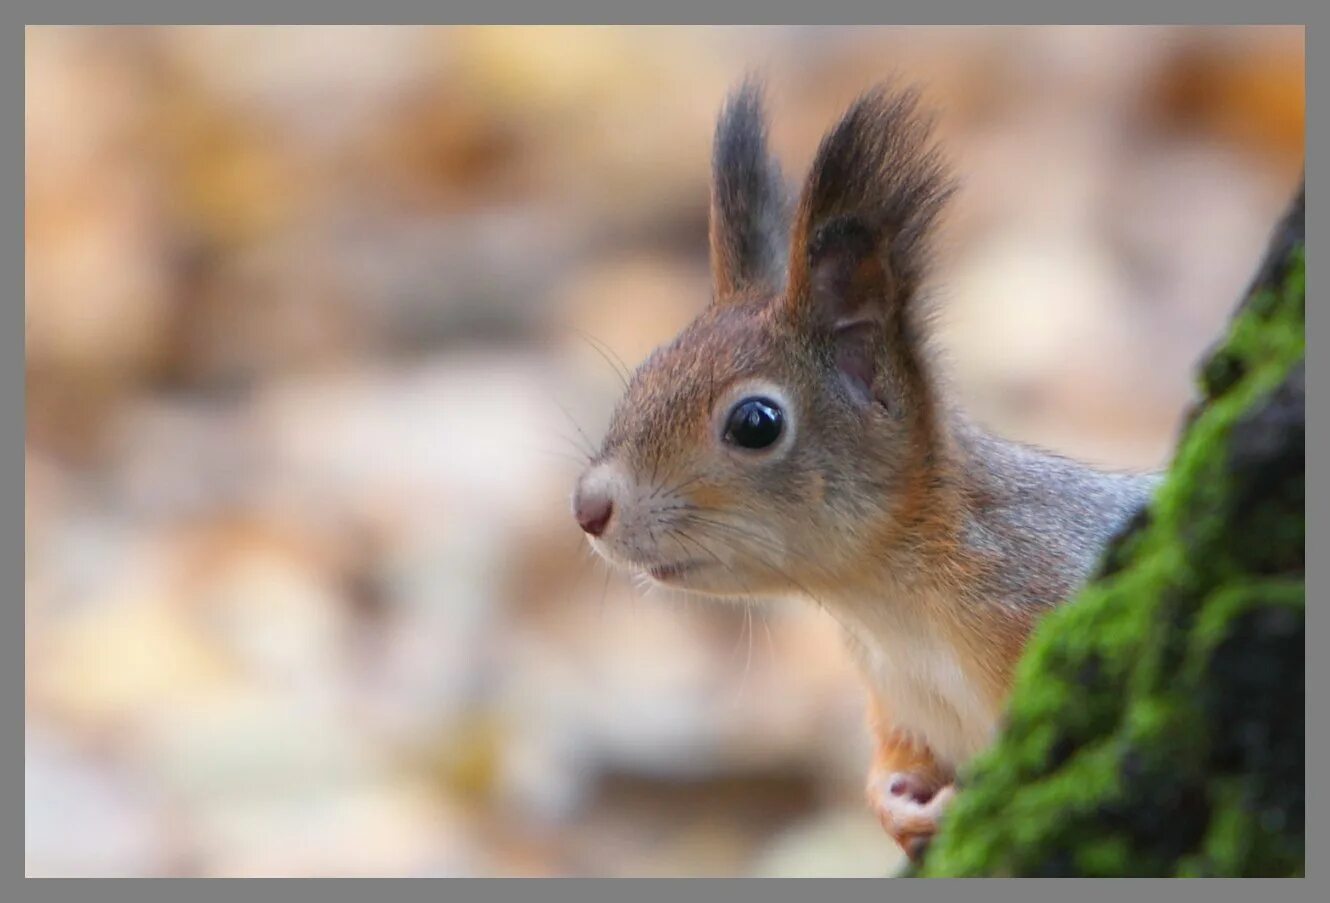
x,y
1156,726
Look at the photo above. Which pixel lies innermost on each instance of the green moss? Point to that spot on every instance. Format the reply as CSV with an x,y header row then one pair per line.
x,y
1156,723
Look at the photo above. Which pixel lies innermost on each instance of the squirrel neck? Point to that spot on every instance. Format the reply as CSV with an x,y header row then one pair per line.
x,y
988,536
984,518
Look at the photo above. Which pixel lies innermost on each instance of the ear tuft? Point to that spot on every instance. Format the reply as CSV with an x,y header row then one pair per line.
x,y
876,174
749,203
859,247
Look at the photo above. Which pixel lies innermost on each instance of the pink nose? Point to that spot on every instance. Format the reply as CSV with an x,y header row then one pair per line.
x,y
592,510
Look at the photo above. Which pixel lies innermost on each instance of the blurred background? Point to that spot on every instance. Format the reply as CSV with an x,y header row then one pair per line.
x,y
311,348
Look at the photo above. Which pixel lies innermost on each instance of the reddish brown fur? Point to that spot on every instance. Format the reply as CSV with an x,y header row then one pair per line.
x,y
936,546
898,752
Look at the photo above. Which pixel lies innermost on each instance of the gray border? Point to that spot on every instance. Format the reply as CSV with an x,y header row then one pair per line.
x,y
496,11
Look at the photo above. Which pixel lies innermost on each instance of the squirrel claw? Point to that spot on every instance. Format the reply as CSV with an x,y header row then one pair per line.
x,y
909,809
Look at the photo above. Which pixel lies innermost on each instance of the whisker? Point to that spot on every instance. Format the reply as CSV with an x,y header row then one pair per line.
x,y
604,591
760,541
766,627
578,459
590,449
748,605
603,349
763,542
677,487
748,661
574,443
737,529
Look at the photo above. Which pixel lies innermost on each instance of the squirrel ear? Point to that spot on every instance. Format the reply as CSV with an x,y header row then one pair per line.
x,y
859,245
749,207
848,280
850,295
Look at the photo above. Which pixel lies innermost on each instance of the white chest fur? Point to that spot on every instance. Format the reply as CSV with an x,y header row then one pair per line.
x,y
919,677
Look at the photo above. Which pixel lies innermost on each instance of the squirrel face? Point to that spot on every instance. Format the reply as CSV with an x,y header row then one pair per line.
x,y
785,433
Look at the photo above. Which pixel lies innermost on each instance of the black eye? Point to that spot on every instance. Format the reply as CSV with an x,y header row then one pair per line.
x,y
754,423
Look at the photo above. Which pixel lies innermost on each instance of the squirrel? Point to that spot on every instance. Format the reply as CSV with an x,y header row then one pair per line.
x,y
796,439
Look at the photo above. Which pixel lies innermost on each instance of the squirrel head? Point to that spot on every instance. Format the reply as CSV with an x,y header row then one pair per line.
x,y
789,429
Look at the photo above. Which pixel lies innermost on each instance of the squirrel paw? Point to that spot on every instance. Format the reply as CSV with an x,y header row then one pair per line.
x,y
909,808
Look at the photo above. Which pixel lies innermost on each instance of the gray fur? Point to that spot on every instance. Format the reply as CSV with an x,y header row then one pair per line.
x,y
1043,520
749,202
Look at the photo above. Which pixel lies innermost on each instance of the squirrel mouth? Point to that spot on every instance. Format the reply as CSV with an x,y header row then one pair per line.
x,y
667,572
